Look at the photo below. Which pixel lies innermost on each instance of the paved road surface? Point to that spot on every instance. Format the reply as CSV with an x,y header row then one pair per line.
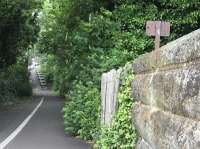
x,y
44,130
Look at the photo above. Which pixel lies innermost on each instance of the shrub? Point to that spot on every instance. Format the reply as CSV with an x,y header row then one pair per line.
x,y
81,113
7,92
19,76
14,82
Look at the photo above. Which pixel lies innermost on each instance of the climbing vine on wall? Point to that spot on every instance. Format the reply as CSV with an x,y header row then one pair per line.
x,y
122,134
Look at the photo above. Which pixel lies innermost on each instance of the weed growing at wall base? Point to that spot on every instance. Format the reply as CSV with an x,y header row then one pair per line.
x,y
122,134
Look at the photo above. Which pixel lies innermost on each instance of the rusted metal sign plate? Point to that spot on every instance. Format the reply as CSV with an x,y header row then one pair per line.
x,y
152,28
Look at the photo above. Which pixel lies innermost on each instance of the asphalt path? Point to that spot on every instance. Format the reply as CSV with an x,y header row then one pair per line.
x,y
44,130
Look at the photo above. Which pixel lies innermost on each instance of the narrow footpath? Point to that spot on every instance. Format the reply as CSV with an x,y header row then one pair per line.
x,y
37,123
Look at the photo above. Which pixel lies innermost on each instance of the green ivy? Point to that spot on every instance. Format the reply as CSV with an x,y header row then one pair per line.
x,y
122,134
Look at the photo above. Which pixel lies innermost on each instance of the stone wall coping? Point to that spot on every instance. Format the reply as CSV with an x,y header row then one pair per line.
x,y
180,51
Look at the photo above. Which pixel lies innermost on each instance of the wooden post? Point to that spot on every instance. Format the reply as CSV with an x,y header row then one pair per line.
x,y
109,92
157,37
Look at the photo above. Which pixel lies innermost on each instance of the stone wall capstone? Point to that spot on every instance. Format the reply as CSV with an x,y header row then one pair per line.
x,y
166,88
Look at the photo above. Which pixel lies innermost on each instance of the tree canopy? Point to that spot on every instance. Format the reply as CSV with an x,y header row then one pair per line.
x,y
18,28
18,33
81,39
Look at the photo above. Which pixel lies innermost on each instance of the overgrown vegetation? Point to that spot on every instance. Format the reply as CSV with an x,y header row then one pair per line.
x,y
18,32
14,82
81,39
81,114
122,134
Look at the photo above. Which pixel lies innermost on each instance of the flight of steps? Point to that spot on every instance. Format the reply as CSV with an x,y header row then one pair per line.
x,y
42,80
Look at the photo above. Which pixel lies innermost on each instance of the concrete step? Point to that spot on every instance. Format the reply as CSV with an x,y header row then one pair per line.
x,y
43,84
42,79
41,75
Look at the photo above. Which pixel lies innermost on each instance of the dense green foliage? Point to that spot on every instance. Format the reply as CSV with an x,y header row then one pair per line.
x,y
79,40
18,28
84,38
81,115
14,82
122,134
18,32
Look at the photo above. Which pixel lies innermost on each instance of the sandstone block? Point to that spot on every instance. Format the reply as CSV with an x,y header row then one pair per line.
x,y
182,50
175,90
164,130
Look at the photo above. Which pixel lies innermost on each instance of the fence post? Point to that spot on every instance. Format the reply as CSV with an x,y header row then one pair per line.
x,y
109,90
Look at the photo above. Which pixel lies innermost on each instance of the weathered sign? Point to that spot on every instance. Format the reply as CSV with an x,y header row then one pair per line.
x,y
157,29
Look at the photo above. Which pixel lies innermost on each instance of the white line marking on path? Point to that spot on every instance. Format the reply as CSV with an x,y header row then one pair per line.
x,y
20,127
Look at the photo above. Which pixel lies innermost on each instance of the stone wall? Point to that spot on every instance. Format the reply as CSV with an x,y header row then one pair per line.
x,y
167,93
